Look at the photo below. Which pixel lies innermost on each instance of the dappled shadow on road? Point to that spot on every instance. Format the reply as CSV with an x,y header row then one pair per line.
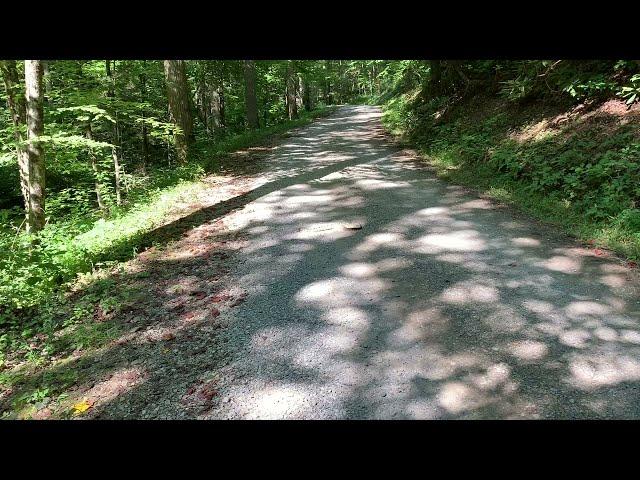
x,y
442,305
362,287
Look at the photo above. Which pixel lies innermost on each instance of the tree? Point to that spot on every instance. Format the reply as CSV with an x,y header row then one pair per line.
x,y
35,151
142,77
218,98
95,167
306,95
17,108
292,105
111,89
179,105
251,103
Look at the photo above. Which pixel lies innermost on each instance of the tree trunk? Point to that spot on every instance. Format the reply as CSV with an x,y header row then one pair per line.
x,y
96,171
110,87
298,92
116,171
216,110
35,151
111,93
217,104
145,135
306,94
372,77
179,105
17,108
46,76
202,100
292,106
251,103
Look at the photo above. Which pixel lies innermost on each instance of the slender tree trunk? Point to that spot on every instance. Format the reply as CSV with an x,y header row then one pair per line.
x,y
179,105
217,104
35,151
292,106
110,87
111,93
372,76
251,103
17,108
223,105
96,171
145,135
216,110
306,94
202,100
116,171
46,77
297,91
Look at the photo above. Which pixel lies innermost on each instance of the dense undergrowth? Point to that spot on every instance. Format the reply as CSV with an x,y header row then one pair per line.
x,y
34,276
576,166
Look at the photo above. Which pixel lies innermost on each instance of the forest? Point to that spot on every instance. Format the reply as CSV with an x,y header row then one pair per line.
x,y
96,154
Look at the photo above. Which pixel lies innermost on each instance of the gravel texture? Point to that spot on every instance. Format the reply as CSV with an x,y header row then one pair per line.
x,y
377,291
357,285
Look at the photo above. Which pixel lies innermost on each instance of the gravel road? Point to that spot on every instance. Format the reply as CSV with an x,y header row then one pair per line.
x,y
374,290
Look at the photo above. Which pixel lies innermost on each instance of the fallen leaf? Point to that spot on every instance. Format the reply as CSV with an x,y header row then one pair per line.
x,y
168,336
632,264
82,406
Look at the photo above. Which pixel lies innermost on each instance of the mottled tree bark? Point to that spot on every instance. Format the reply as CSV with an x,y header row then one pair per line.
x,y
96,171
217,109
306,94
251,103
328,97
17,108
145,135
297,91
46,78
292,106
179,105
116,128
202,104
35,151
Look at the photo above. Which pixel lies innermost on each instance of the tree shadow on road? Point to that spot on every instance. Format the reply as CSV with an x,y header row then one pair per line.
x,y
366,288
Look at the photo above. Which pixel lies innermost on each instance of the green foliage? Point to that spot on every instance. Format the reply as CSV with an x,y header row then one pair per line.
x,y
596,87
631,92
33,275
